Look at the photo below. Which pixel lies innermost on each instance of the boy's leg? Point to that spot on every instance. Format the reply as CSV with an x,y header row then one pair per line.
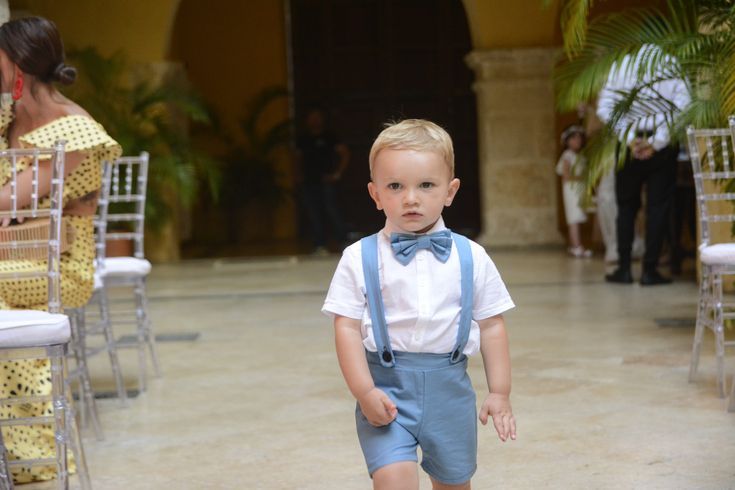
x,y
397,476
437,485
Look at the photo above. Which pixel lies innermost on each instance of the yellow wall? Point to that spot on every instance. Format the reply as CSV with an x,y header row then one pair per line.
x,y
231,50
497,24
142,28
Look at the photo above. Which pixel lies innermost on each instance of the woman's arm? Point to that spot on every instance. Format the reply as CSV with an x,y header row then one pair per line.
x,y
25,180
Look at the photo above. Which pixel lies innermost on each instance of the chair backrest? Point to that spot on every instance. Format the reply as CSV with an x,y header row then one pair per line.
x,y
24,163
100,221
127,200
713,164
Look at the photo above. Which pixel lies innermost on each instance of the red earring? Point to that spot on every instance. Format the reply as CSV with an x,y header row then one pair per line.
x,y
18,87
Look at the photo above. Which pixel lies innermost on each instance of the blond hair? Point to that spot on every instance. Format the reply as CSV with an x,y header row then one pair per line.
x,y
417,135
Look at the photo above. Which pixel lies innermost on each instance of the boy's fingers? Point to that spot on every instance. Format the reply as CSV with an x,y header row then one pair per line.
x,y
498,423
388,403
513,428
483,415
390,408
506,427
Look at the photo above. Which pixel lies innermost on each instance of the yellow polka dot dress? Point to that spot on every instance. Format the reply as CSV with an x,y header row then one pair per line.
x,y
84,135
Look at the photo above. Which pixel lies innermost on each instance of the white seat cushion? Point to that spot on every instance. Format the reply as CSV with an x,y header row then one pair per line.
x,y
31,328
125,266
721,253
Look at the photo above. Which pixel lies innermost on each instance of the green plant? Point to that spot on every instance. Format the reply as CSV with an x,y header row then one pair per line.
x,y
147,115
697,33
251,160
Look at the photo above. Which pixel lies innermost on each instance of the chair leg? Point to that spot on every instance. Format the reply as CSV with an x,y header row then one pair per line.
x,y
60,408
719,332
86,400
104,308
77,449
6,479
149,335
702,311
141,329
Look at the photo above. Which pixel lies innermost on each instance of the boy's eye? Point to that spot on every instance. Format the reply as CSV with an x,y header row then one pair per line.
x,y
427,185
394,186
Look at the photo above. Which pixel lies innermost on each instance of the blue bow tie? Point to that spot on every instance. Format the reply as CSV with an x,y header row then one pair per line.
x,y
404,245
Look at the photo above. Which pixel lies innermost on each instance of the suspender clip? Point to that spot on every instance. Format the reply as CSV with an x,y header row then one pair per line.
x,y
455,355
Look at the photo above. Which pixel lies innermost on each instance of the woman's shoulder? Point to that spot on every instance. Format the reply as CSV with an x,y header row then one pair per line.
x,y
77,129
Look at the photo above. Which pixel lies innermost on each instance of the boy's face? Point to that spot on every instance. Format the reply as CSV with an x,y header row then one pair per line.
x,y
412,188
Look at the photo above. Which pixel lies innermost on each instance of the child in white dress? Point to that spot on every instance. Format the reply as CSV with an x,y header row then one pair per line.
x,y
571,167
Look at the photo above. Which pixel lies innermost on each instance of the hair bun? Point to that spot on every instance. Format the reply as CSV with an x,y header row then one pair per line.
x,y
65,74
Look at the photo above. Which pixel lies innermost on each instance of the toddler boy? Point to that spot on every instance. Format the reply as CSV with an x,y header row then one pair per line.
x,y
410,303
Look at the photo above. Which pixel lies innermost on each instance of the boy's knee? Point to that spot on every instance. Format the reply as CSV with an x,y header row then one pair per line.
x,y
437,485
397,476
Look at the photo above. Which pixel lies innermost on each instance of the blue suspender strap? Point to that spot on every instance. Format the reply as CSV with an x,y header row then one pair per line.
x,y
369,247
467,282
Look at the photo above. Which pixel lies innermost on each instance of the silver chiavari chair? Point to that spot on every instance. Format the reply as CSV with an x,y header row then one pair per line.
x,y
127,210
81,329
32,334
712,155
104,324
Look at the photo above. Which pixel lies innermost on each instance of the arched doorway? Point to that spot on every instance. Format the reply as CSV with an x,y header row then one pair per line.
x,y
370,61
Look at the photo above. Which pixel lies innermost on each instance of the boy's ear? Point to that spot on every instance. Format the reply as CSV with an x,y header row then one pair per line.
x,y
373,191
452,191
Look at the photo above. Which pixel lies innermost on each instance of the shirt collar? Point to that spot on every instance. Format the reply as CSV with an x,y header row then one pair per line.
x,y
388,229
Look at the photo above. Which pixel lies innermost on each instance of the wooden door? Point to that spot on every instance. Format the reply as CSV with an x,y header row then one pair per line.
x,y
366,62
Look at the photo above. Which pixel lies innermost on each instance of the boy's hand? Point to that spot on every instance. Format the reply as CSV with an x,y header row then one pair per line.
x,y
377,407
498,407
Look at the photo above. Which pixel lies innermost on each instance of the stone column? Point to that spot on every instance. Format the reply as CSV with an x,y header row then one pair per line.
x,y
517,146
4,11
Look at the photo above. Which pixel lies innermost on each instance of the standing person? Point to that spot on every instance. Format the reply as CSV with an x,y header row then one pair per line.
x,y
31,61
321,159
607,215
570,168
410,304
650,159
607,208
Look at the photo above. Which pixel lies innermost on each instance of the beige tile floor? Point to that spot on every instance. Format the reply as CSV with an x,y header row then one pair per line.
x,y
257,402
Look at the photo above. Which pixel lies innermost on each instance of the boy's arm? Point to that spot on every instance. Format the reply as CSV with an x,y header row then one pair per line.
x,y
496,358
374,403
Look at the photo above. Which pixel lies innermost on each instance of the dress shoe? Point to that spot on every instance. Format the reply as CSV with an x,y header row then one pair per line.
x,y
621,275
652,278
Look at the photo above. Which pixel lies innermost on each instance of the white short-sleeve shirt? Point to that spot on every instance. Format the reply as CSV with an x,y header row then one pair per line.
x,y
421,299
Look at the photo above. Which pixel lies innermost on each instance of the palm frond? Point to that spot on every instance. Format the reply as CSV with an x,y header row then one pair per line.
x,y
609,40
142,115
574,14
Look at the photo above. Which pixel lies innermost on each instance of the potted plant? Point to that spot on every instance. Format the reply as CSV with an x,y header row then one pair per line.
x,y
252,160
146,111
697,33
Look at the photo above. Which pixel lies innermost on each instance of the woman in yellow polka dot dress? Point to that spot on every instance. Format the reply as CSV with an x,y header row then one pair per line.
x,y
31,60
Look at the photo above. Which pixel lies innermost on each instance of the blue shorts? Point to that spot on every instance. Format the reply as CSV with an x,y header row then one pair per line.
x,y
436,411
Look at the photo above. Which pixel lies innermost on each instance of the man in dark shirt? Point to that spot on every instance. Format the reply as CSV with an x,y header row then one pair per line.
x,y
321,159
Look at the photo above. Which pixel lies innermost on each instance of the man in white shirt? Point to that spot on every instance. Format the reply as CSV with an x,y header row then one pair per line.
x,y
650,159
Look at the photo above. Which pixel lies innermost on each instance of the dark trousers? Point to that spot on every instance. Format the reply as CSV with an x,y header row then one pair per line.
x,y
320,202
659,175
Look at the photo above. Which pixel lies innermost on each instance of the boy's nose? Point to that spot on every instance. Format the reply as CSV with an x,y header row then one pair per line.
x,y
410,197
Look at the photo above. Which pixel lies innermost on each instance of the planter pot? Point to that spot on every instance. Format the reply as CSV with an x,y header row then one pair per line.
x,y
119,248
